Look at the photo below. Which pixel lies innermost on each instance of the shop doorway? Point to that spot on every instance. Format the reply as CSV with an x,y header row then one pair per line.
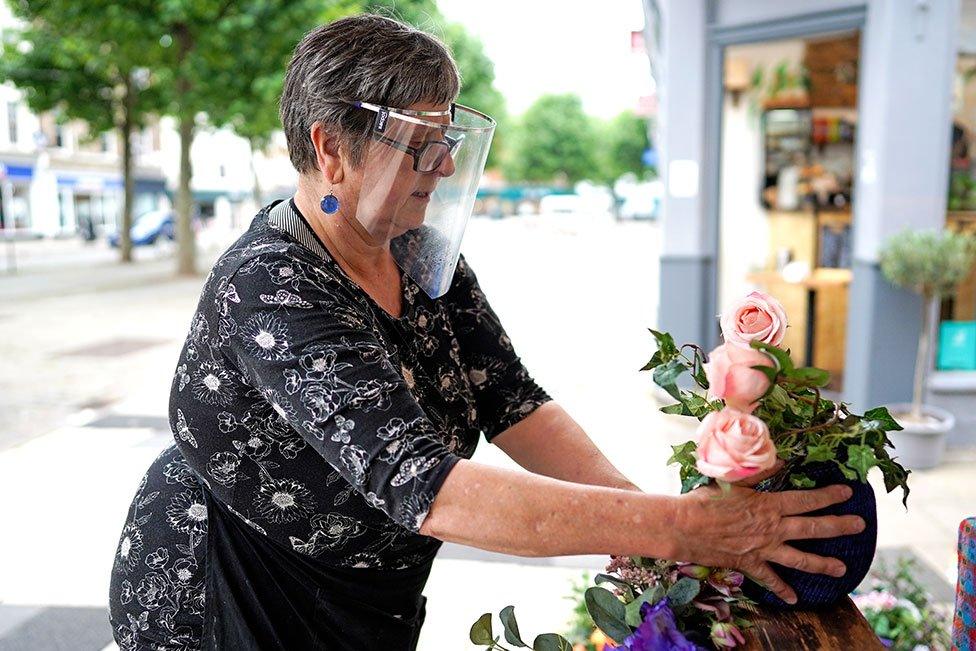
x,y
784,172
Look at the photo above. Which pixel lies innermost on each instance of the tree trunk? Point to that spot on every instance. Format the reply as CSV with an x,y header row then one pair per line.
x,y
128,179
258,200
185,240
922,356
185,237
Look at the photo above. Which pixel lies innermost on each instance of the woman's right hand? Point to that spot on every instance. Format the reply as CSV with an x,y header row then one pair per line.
x,y
745,530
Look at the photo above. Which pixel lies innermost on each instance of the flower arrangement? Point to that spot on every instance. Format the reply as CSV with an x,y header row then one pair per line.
x,y
756,410
900,611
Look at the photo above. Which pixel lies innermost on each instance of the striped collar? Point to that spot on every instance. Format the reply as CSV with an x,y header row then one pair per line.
x,y
284,217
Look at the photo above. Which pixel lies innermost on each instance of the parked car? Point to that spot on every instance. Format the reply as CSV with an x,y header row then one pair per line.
x,y
642,201
560,203
148,228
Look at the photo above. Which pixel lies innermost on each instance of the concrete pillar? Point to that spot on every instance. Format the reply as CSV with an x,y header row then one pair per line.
x,y
687,264
904,121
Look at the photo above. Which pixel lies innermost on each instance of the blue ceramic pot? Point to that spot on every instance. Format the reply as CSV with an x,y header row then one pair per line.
x,y
856,551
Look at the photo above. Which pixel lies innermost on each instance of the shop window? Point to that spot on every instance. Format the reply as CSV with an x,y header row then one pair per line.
x,y
957,330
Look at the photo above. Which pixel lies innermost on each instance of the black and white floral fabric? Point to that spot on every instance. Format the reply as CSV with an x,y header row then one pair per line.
x,y
323,422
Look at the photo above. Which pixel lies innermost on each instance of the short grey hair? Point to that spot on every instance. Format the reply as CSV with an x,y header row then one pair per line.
x,y
364,57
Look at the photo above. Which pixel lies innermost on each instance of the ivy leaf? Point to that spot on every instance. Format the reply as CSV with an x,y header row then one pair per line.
x,y
652,595
551,642
800,480
481,631
608,613
507,615
677,408
809,376
781,356
684,453
618,583
653,362
666,376
683,591
820,452
895,475
847,472
665,344
882,415
860,458
692,482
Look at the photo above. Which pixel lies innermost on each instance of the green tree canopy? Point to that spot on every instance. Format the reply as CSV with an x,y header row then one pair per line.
x,y
86,61
555,141
620,151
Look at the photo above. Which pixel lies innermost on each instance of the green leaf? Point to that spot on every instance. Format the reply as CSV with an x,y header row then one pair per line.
x,y
800,480
683,591
677,408
781,356
666,376
481,631
652,595
684,453
665,344
809,376
551,642
608,613
692,482
618,583
881,415
847,472
860,458
895,475
777,396
507,615
820,452
653,362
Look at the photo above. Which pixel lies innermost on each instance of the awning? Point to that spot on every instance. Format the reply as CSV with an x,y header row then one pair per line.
x,y
12,172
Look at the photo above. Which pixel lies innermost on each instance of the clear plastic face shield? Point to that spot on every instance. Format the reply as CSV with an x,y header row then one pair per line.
x,y
420,176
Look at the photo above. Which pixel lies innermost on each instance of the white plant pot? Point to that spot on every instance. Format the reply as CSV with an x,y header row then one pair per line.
x,y
919,446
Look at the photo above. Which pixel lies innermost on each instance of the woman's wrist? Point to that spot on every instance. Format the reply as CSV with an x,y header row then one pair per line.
x,y
662,539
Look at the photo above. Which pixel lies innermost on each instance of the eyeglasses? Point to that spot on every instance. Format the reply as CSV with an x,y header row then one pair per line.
x,y
429,156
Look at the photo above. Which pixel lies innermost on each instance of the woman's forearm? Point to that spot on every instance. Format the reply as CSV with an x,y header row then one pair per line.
x,y
549,442
525,514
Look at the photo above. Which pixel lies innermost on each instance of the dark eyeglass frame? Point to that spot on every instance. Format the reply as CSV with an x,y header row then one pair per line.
x,y
417,152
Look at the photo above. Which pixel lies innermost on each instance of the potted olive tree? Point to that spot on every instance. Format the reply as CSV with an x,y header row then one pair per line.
x,y
931,264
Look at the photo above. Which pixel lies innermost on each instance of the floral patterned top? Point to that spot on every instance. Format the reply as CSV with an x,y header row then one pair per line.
x,y
318,417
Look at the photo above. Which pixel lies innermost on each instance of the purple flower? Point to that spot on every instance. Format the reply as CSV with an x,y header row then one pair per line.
x,y
658,631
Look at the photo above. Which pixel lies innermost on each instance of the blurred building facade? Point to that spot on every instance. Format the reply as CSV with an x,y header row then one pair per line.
x,y
795,137
58,180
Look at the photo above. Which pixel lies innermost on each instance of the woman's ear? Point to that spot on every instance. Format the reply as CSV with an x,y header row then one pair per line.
x,y
326,153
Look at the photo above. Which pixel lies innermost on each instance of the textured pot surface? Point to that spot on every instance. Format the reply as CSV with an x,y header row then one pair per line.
x,y
856,551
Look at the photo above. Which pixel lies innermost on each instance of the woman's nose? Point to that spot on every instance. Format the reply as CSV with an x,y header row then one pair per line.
x,y
446,168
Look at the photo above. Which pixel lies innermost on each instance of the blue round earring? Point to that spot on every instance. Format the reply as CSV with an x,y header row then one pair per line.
x,y
330,203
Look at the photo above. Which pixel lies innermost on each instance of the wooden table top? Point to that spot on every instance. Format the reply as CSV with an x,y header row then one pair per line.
x,y
840,627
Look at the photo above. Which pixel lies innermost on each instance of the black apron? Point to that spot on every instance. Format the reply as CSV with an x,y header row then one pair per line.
x,y
260,595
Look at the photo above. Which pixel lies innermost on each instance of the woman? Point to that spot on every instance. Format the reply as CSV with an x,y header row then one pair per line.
x,y
326,404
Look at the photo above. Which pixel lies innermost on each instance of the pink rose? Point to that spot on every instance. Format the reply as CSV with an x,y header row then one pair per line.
x,y
757,317
732,378
733,445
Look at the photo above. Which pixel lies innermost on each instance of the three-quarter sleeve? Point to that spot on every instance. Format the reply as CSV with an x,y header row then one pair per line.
x,y
504,391
315,353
